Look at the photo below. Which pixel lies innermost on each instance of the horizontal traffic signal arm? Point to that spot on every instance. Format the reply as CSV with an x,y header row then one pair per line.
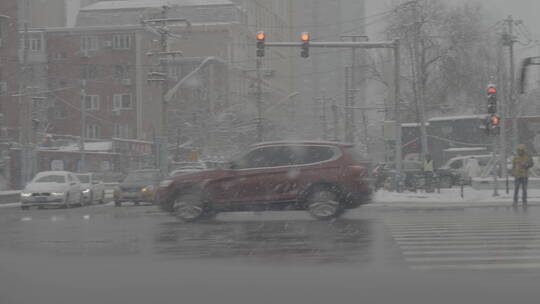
x,y
337,44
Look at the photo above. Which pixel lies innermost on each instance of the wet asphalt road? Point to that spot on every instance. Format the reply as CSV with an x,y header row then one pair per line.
x,y
137,254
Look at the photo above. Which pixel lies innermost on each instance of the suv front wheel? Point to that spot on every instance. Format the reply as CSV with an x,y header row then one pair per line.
x,y
323,204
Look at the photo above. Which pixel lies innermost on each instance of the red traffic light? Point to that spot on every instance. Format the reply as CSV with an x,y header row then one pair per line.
x,y
304,36
261,36
495,120
492,90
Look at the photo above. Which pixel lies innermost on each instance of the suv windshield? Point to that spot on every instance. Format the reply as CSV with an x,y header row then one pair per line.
x,y
51,179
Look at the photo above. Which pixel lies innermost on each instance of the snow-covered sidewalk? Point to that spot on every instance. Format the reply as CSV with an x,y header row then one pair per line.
x,y
450,198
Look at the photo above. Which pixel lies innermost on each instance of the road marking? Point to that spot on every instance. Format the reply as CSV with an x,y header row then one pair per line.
x,y
86,217
512,266
26,219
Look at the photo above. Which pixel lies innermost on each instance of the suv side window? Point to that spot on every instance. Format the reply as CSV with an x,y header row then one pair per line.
x,y
311,154
258,158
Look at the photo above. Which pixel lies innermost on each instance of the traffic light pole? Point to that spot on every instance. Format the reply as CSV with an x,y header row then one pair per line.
x,y
259,100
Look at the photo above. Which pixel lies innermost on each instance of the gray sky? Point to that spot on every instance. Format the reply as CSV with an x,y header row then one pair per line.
x,y
526,10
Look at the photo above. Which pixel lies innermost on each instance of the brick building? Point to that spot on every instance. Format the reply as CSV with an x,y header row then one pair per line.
x,y
104,69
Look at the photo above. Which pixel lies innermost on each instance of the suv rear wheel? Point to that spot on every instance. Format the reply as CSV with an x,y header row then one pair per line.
x,y
190,207
323,204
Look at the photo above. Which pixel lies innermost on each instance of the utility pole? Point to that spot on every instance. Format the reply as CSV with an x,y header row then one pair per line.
x,y
335,119
419,59
397,114
347,117
259,94
316,63
164,140
324,119
509,41
353,89
82,165
503,114
25,115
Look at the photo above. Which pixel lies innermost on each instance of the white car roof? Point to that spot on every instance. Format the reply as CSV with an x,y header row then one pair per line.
x,y
45,173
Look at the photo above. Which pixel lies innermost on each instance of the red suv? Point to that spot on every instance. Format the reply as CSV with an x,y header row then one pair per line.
x,y
321,177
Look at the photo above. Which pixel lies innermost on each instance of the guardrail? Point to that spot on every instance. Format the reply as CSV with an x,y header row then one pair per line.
x,y
7,197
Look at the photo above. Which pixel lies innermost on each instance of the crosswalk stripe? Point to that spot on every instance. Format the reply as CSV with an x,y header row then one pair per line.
x,y
464,233
463,252
468,237
510,266
474,259
468,243
470,247
443,226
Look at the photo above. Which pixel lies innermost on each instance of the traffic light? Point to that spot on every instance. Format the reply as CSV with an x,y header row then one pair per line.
x,y
261,37
493,125
492,99
305,44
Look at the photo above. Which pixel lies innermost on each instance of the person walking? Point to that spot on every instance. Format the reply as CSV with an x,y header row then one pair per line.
x,y
521,163
428,173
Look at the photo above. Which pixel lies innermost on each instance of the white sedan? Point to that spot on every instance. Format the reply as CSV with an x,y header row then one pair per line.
x,y
52,188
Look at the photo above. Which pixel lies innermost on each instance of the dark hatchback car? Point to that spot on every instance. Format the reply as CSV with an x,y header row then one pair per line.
x,y
321,177
138,187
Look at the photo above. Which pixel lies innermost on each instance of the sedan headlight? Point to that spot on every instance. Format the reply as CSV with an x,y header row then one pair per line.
x,y
26,194
86,191
147,189
57,193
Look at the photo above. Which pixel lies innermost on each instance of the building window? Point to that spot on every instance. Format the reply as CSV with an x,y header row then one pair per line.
x,y
122,131
89,71
35,44
58,55
121,71
92,131
122,101
121,42
91,102
89,43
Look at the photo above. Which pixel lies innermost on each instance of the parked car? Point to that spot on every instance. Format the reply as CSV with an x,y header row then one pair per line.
x,y
52,188
93,190
138,187
453,171
323,178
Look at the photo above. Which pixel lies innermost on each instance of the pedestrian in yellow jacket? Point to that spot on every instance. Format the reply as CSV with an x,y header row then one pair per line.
x,y
521,164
